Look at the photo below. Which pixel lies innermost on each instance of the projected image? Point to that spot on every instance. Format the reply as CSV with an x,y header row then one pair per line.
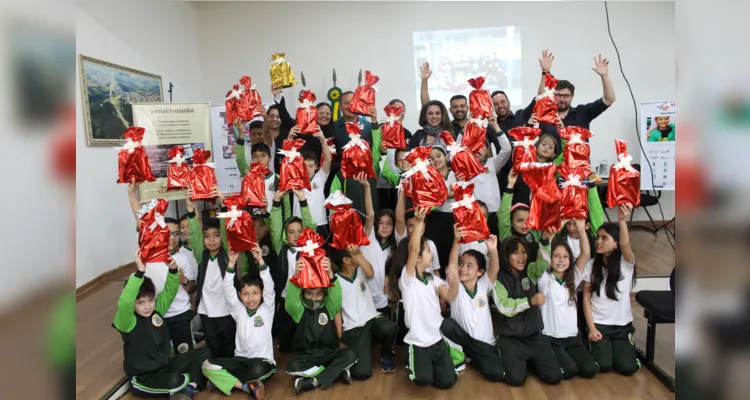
x,y
455,56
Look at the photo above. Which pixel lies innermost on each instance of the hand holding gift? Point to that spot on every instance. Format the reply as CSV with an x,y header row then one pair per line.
x,y
178,170
153,237
293,173
480,103
132,160
307,113
254,185
468,215
524,146
624,185
546,103
346,226
312,270
281,72
393,128
422,182
240,228
463,162
577,151
202,177
364,95
474,136
356,157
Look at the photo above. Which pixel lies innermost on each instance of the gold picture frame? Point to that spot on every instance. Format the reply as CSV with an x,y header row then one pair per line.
x,y
108,115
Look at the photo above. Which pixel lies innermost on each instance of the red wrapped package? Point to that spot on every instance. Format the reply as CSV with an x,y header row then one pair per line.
x,y
393,128
463,162
177,172
364,95
624,185
544,212
332,147
243,102
546,103
475,134
293,173
232,104
577,152
240,229
307,113
254,185
202,177
574,202
426,186
524,149
480,103
153,237
132,161
356,157
311,251
346,226
468,215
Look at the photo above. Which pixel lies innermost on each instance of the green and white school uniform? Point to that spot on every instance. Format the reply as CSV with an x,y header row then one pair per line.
x,y
376,256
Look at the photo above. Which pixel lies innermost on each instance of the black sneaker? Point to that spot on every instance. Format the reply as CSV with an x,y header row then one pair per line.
x,y
346,377
185,394
303,385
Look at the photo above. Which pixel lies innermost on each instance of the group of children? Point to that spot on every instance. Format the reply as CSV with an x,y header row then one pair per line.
x,y
562,298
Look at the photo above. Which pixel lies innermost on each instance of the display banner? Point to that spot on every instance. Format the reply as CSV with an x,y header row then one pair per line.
x,y
658,124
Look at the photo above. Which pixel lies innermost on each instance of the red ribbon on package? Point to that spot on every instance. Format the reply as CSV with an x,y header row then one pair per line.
x,y
364,95
524,148
544,212
546,103
243,102
240,229
294,173
178,170
426,186
346,226
332,147
574,202
624,184
577,151
474,136
307,113
254,185
153,237
132,162
393,128
480,103
463,162
468,215
311,274
202,177
356,157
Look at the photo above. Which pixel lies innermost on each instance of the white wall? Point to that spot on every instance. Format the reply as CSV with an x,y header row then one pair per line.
x,y
153,36
349,36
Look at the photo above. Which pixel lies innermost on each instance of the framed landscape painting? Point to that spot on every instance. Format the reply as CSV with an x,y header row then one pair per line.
x,y
108,90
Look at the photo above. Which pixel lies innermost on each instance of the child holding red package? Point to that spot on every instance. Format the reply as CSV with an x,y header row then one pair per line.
x,y
610,278
316,196
486,187
440,219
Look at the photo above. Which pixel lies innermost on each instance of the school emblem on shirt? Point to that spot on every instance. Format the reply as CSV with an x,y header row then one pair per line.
x,y
182,348
322,319
271,187
314,186
264,250
157,320
525,284
258,321
480,301
361,286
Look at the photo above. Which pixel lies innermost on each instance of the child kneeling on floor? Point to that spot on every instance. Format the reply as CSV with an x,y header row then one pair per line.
x,y
146,344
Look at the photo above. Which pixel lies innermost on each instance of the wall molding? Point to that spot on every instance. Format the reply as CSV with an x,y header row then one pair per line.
x,y
88,287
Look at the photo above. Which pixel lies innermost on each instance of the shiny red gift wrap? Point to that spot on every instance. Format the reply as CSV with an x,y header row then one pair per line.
x,y
544,212
524,148
153,237
546,103
307,113
312,253
239,225
356,157
575,194
468,215
178,170
232,104
393,128
577,152
132,162
426,186
202,177
243,102
346,226
480,103
254,185
474,136
332,147
624,184
463,162
364,95
293,173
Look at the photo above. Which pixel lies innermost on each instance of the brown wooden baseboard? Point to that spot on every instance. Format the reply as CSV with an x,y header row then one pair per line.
x,y
86,289
659,224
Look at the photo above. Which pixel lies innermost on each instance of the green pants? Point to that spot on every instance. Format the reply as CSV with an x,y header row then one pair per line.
x,y
324,366
225,372
573,357
616,350
432,366
517,354
360,340
183,369
484,356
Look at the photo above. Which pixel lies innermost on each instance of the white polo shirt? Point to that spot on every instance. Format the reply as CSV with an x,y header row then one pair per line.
x,y
422,308
374,254
486,187
316,199
560,317
291,258
357,305
270,187
606,311
212,297
157,272
446,206
473,312
192,263
253,337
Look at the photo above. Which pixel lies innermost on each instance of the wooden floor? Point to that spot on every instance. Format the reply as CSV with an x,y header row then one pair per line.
x,y
99,367
654,255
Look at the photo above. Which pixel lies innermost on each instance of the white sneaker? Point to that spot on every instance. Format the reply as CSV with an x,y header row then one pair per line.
x,y
460,367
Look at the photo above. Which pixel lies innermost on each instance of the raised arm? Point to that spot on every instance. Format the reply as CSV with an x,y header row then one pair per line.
x,y
537,268
494,268
135,206
425,73
369,210
401,214
334,297
458,233
196,229
503,213
304,210
601,67
585,255
415,241
230,293
125,315
627,251
545,63
277,225
165,298
359,259
286,119
596,211
503,155
239,148
451,291
327,157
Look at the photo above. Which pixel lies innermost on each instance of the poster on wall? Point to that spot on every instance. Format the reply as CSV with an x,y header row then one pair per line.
x,y
167,125
658,124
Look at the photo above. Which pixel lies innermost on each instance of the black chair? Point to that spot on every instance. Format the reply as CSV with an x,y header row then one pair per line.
x,y
658,308
647,200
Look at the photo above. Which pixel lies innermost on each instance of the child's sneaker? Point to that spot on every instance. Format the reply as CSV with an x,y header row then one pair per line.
x,y
467,360
185,394
254,390
304,385
346,377
388,365
210,386
460,367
